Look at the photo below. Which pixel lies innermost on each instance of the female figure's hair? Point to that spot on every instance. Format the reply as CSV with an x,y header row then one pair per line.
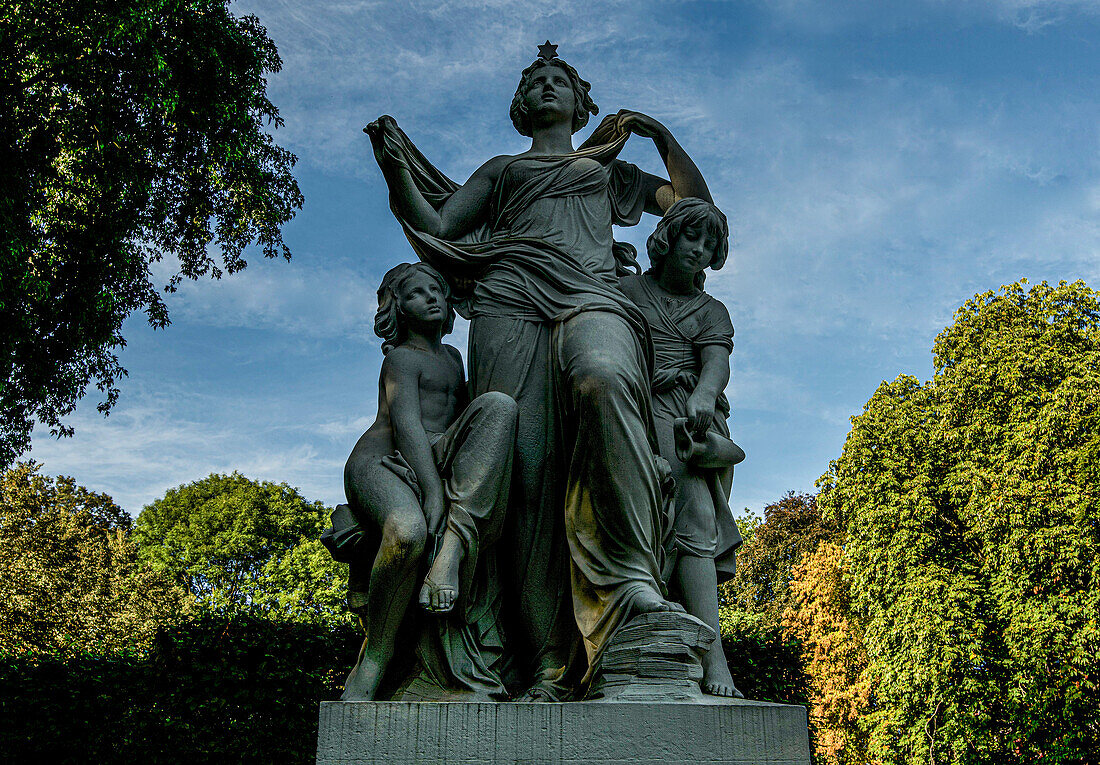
x,y
583,105
689,211
389,323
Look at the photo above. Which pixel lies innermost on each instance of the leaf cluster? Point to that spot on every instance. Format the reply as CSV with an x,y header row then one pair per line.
x,y
70,577
973,530
819,616
792,528
130,132
237,544
765,660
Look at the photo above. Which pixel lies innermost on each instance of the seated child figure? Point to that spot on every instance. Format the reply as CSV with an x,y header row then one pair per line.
x,y
692,342
431,473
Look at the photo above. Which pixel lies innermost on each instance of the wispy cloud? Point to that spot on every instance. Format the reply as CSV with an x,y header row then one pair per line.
x,y
306,300
880,162
1035,16
158,439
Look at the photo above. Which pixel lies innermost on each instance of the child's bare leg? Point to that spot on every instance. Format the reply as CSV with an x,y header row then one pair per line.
x,y
440,590
698,582
392,582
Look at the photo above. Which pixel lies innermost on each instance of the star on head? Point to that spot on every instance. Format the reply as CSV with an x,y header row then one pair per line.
x,y
548,51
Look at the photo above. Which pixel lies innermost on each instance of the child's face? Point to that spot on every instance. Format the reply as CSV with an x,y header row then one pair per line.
x,y
421,299
693,249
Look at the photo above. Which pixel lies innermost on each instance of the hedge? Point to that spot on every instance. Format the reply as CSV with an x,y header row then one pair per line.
x,y
215,689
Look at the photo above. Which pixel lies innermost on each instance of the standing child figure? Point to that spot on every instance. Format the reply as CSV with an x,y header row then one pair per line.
x,y
692,342
430,475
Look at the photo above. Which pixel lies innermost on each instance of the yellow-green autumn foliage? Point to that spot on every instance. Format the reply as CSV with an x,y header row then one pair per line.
x,y
819,615
71,581
972,509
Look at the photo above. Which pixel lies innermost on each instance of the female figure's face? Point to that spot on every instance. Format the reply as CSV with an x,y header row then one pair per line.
x,y
421,301
694,249
549,97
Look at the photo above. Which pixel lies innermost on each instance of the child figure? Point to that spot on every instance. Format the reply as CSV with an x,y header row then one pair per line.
x,y
692,342
431,474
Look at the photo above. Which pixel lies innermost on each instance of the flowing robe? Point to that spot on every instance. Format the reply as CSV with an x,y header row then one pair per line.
x,y
550,328
462,651
704,525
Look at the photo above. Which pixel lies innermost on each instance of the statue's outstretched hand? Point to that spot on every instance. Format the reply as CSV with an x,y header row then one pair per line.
x,y
378,127
376,130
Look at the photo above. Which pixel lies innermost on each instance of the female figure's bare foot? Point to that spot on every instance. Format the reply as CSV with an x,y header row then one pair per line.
x,y
440,590
717,680
649,601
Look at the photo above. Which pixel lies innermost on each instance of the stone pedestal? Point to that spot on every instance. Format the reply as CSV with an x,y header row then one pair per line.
x,y
398,733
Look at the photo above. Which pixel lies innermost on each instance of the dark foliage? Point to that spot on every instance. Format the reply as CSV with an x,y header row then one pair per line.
x,y
765,660
792,528
238,690
129,132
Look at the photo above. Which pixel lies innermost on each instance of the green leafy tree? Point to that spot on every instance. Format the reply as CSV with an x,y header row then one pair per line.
x,y
70,578
237,544
130,132
792,527
972,510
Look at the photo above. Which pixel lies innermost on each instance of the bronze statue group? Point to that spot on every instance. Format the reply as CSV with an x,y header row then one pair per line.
x,y
501,530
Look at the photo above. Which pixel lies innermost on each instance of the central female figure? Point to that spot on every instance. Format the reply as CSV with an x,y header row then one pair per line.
x,y
528,239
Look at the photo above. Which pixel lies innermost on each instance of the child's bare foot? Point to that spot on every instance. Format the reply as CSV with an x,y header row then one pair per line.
x,y
362,683
717,680
440,590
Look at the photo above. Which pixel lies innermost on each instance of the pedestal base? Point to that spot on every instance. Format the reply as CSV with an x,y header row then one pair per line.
x,y
730,732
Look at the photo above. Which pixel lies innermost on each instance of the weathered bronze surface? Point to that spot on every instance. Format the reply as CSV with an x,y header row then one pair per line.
x,y
538,527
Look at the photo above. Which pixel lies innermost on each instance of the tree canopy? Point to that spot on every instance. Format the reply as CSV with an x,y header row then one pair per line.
x,y
238,544
972,510
70,578
130,132
792,527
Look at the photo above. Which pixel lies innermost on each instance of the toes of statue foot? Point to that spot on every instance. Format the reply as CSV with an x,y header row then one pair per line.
x,y
722,689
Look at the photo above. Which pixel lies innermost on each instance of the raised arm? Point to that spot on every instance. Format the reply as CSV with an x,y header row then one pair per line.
x,y
401,384
684,178
458,214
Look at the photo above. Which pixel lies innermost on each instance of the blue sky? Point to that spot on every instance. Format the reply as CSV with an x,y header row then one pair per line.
x,y
879,162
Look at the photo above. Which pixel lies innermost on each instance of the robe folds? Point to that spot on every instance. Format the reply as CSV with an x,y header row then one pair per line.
x,y
463,650
550,328
704,525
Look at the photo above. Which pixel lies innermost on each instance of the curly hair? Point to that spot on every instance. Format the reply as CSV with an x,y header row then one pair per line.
x,y
388,323
583,103
689,211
